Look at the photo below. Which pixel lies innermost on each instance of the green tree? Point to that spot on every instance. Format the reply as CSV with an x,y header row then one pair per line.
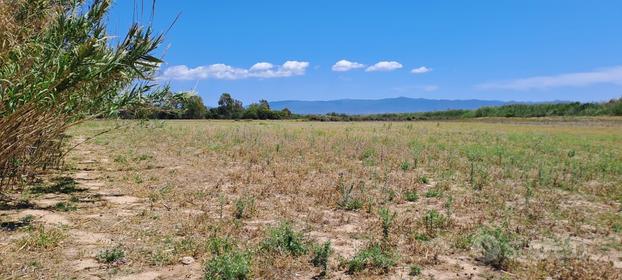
x,y
229,108
193,107
264,104
285,113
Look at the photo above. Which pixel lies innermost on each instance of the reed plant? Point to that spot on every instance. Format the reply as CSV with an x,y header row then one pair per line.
x,y
59,67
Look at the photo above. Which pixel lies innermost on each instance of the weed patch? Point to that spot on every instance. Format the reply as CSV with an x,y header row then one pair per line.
x,y
111,256
42,238
283,239
375,258
411,196
494,247
321,253
227,262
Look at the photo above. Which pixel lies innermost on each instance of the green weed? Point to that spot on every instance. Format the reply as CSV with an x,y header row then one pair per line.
x,y
433,192
387,218
415,270
494,247
434,221
283,239
244,207
405,165
41,238
374,257
411,196
321,253
65,206
227,262
114,255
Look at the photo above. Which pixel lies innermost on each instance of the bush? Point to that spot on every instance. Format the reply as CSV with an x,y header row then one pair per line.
x,y
41,238
347,201
244,207
405,166
320,257
434,221
424,180
387,218
227,262
411,196
494,247
283,239
65,206
415,270
111,255
59,68
374,257
433,192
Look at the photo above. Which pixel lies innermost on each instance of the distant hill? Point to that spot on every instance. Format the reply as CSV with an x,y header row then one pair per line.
x,y
379,106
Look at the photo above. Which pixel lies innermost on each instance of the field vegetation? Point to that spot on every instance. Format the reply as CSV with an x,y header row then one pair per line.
x,y
561,109
292,199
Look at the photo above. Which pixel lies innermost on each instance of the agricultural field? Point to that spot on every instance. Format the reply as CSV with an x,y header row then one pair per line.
x,y
477,199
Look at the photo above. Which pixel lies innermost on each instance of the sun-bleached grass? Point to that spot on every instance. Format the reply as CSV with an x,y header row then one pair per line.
x,y
553,187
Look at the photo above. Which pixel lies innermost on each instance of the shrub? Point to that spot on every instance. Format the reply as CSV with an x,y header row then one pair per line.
x,y
424,180
320,257
415,270
411,196
387,218
374,257
227,262
422,237
59,68
114,255
433,192
494,247
66,206
353,204
284,239
244,207
405,166
368,156
434,221
347,201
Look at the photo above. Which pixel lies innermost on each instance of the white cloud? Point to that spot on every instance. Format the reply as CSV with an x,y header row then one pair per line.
x,y
261,66
384,66
601,76
345,65
226,72
420,70
296,67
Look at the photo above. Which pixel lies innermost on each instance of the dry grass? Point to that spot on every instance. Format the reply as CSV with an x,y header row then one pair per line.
x,y
546,194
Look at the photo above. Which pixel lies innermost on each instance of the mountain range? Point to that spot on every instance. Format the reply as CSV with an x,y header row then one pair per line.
x,y
379,106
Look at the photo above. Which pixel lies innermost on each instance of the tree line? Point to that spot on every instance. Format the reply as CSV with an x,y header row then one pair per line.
x,y
610,108
166,104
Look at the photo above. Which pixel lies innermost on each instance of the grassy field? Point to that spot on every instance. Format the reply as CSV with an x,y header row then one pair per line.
x,y
492,199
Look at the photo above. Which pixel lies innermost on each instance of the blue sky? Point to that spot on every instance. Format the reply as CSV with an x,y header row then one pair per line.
x,y
528,50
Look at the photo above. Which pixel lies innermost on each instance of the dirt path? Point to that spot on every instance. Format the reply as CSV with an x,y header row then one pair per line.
x,y
113,206
98,208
